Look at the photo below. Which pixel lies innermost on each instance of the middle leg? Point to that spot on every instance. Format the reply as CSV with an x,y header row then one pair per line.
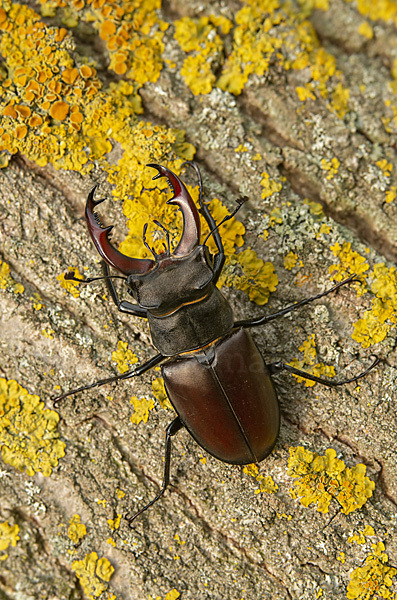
x,y
285,311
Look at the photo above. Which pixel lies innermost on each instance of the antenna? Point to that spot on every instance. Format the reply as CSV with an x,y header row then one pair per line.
x,y
240,202
70,276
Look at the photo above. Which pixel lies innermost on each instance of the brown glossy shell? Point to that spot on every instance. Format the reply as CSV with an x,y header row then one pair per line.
x,y
226,399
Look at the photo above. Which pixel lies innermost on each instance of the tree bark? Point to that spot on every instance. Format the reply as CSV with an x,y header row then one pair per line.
x,y
212,535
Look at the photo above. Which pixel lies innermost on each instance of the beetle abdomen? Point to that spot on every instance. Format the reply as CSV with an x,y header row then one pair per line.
x,y
225,398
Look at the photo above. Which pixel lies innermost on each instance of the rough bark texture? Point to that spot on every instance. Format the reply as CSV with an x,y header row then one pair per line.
x,y
236,544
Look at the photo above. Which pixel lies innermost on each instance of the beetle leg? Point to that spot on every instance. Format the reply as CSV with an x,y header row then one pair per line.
x,y
280,313
134,373
122,305
280,366
171,430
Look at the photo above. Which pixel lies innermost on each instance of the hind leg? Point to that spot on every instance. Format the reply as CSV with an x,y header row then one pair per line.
x,y
171,430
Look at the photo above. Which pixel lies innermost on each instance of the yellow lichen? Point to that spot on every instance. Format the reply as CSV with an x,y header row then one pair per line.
x,y
46,75
251,469
316,209
258,279
322,478
178,539
383,10
385,167
142,407
232,231
35,56
264,32
366,30
391,194
308,362
131,31
324,230
29,436
309,5
290,260
254,44
160,393
267,32
305,93
351,263
172,595
59,110
200,37
47,333
197,73
8,536
377,322
44,70
266,485
119,493
284,516
7,282
275,217
360,536
69,285
394,75
124,357
77,530
302,280
270,186
93,574
114,523
37,301
339,102
374,578
331,166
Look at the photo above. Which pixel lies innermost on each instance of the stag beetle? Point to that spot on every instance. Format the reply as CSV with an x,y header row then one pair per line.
x,y
214,375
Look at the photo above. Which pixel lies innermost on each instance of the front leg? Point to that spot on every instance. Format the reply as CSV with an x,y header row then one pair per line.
x,y
122,305
152,362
